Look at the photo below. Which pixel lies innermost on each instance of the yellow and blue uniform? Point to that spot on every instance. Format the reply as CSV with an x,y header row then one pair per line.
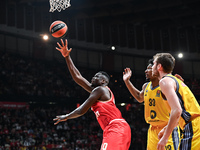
x,y
190,117
157,115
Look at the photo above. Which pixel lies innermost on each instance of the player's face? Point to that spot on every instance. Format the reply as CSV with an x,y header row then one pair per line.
x,y
154,68
96,80
148,72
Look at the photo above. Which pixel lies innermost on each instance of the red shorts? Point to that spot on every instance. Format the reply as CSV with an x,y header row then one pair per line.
x,y
116,136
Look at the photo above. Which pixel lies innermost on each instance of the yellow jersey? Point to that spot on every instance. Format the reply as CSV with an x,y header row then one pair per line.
x,y
189,104
156,110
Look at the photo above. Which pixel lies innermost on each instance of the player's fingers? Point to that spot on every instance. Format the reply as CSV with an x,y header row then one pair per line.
x,y
59,45
70,50
55,119
125,71
62,42
56,122
158,147
66,42
129,70
58,49
179,77
159,136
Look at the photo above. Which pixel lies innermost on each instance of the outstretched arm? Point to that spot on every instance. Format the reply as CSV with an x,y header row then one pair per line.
x,y
138,95
76,75
94,96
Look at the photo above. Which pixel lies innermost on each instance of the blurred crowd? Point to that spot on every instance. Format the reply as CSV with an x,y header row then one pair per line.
x,y
30,77
21,76
24,76
32,127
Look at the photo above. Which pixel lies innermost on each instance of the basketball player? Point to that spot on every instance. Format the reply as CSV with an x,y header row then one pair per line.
x,y
116,131
184,108
156,113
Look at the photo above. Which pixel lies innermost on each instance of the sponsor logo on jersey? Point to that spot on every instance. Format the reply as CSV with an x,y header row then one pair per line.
x,y
153,120
153,114
168,147
158,93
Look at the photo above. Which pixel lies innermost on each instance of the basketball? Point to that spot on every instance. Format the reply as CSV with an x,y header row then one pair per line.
x,y
58,29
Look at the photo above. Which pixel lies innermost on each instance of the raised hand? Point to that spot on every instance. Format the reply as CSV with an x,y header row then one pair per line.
x,y
64,49
127,74
179,77
60,119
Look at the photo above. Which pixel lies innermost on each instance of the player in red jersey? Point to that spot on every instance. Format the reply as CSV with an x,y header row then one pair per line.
x,y
116,131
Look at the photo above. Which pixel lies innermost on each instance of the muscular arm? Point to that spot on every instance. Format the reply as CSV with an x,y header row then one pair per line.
x,y
138,95
76,75
95,95
168,87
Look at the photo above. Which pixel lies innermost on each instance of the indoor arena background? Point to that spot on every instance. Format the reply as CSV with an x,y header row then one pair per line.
x,y
35,84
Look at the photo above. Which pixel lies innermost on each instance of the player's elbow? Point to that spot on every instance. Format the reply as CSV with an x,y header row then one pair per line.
x,y
77,79
140,100
178,112
81,112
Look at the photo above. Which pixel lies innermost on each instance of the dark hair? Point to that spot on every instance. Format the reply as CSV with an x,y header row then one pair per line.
x,y
150,61
166,60
105,74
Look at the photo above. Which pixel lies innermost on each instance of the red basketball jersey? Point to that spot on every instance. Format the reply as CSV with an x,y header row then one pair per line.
x,y
106,111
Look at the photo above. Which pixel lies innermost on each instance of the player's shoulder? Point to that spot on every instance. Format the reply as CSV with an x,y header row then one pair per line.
x,y
167,81
145,85
163,80
100,89
167,78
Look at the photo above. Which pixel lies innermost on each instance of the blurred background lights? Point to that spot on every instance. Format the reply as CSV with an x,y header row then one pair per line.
x,y
45,37
122,104
113,48
180,55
